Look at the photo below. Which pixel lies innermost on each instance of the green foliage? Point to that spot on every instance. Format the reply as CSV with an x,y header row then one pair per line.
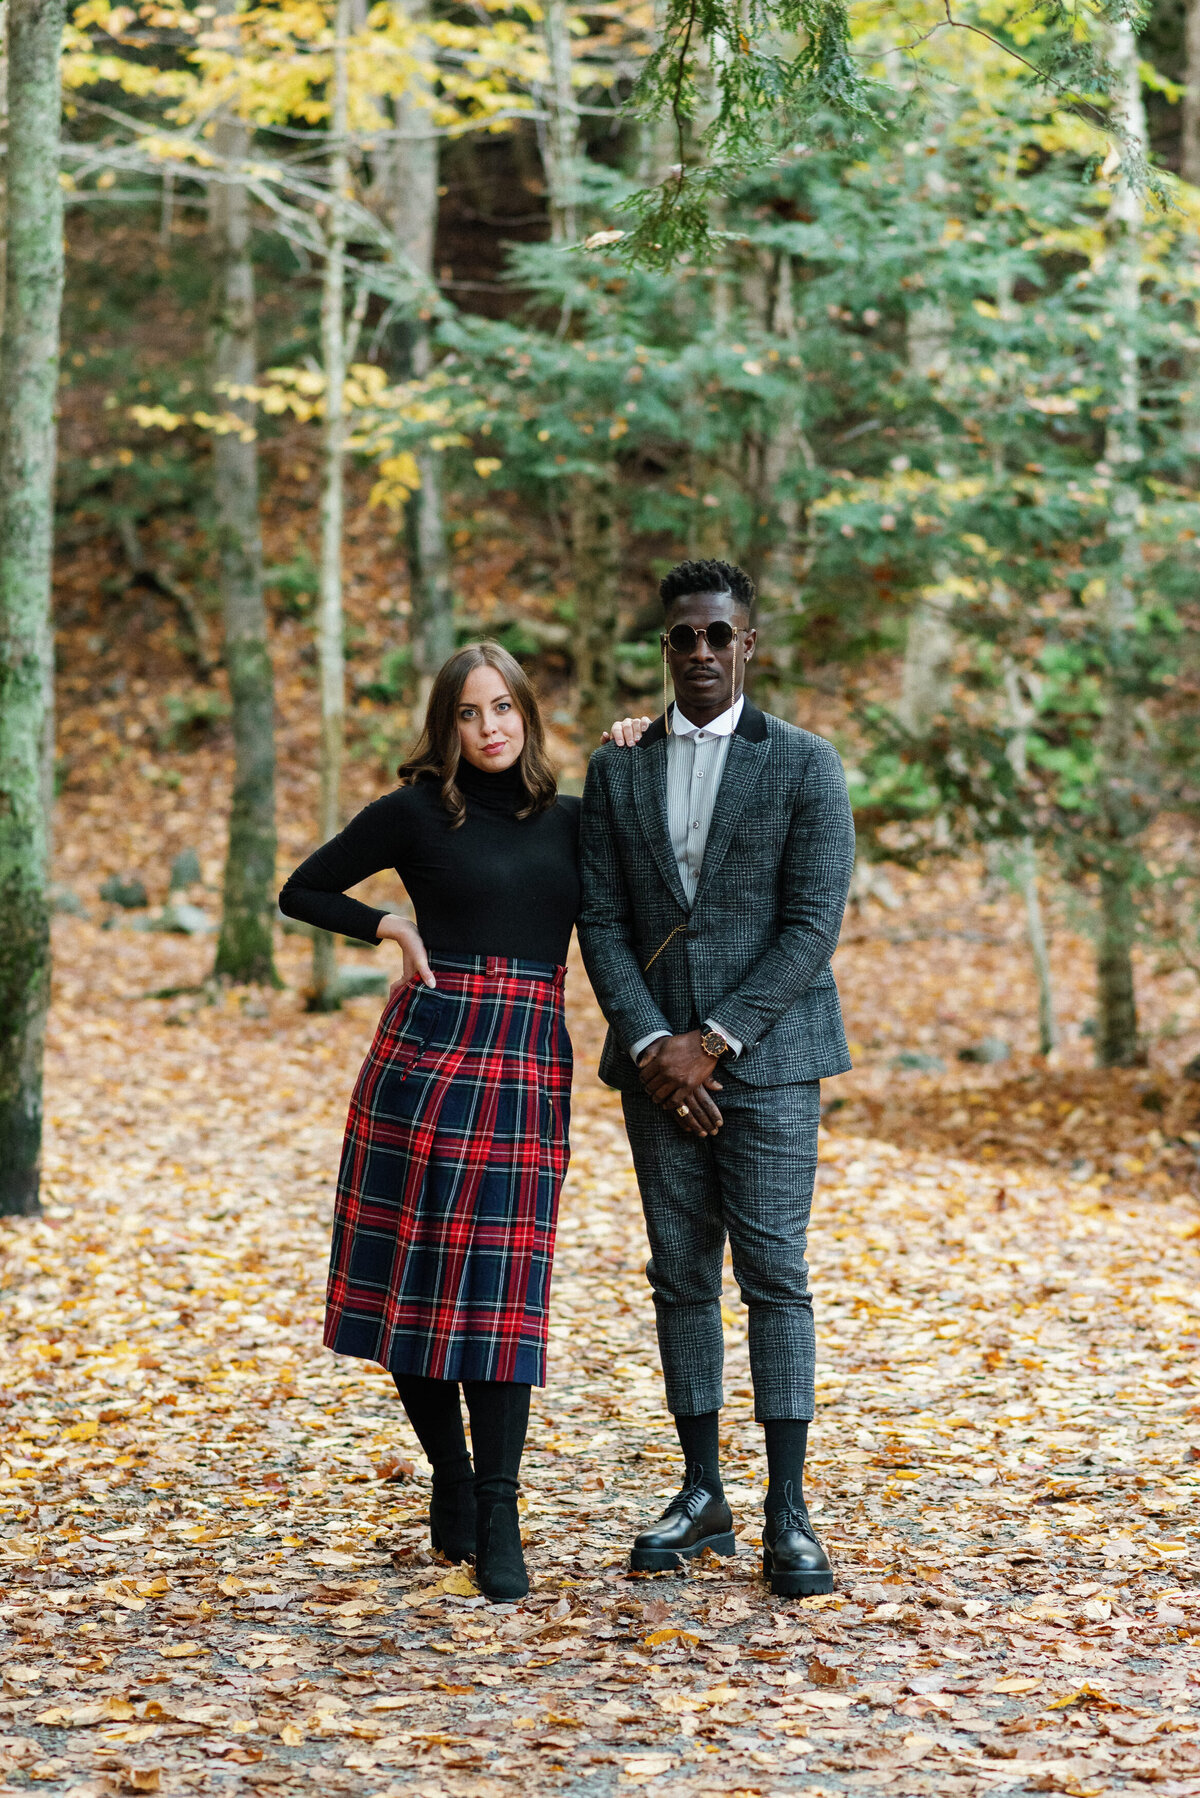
x,y
191,717
294,585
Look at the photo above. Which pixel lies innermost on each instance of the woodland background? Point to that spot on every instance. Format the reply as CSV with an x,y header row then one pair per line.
x,y
911,333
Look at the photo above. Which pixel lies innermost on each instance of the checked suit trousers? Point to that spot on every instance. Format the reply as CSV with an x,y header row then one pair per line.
x,y
753,1184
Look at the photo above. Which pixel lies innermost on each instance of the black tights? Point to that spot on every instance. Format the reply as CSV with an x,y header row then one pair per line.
x,y
499,1413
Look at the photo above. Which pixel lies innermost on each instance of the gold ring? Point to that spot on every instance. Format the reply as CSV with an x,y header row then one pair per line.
x,y
683,1111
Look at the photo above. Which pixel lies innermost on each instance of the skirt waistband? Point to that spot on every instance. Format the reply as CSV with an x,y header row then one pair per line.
x,y
498,967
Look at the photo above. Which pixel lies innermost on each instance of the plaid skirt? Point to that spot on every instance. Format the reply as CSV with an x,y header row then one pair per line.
x,y
454,1157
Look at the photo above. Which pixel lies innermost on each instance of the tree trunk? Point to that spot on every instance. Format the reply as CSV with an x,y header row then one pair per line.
x,y
594,553
29,357
787,560
929,646
407,177
1116,1031
1189,149
1021,713
431,586
323,995
244,948
1116,1009
561,133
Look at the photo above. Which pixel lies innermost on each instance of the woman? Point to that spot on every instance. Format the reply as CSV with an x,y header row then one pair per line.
x,y
456,1143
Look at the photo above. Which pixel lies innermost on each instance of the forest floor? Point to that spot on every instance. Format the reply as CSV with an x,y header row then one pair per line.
x,y
214,1563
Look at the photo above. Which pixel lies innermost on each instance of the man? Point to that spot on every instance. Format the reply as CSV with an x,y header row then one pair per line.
x,y
716,858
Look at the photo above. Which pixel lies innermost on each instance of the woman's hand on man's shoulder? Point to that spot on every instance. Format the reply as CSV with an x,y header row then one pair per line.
x,y
626,732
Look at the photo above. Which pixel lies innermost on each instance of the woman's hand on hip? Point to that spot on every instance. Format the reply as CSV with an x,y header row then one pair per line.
x,y
625,732
416,961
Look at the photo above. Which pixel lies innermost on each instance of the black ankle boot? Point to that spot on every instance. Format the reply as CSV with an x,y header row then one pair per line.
x,y
499,1561
452,1517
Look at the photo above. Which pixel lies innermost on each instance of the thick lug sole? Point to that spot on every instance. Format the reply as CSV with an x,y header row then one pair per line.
x,y
796,1585
668,1560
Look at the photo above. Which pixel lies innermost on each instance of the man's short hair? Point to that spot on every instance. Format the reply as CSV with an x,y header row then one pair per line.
x,y
707,577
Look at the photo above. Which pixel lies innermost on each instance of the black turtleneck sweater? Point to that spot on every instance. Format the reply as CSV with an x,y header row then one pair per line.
x,y
498,885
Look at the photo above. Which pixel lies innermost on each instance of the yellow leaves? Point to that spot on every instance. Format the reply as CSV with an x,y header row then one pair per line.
x,y
84,1716
142,1779
182,1651
399,478
657,1637
1015,1683
157,418
291,1735
486,465
82,1432
460,1584
231,1586
1085,1694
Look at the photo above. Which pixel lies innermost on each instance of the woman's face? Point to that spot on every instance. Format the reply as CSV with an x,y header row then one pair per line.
x,y
491,731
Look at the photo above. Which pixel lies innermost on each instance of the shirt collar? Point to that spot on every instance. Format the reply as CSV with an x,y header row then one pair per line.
x,y
724,726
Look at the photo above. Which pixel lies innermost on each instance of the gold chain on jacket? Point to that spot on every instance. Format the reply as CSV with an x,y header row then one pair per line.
x,y
663,945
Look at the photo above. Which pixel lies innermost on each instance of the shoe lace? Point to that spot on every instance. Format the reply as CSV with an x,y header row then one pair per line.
x,y
690,1500
792,1514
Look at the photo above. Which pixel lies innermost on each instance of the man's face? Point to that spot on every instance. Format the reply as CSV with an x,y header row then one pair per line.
x,y
707,680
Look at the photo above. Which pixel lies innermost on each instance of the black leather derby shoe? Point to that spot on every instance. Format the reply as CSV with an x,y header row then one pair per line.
x,y
793,1560
693,1521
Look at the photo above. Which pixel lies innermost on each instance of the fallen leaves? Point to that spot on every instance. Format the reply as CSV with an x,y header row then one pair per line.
x,y
231,1568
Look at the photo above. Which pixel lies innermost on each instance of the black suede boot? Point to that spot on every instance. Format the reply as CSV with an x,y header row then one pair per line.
x,y
434,1412
499,1411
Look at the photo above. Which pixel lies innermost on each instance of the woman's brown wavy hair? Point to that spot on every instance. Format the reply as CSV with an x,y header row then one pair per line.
x,y
437,753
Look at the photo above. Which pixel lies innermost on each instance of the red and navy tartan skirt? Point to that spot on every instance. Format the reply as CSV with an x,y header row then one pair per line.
x,y
454,1157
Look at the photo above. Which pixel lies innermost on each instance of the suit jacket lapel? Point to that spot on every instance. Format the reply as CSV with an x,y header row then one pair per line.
x,y
650,802
744,765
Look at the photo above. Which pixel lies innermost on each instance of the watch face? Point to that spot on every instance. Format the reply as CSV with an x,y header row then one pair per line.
x,y
713,1043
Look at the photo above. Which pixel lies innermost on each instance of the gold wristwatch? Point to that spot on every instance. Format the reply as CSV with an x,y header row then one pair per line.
x,y
714,1044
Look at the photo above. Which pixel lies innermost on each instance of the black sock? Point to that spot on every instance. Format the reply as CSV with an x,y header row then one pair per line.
x,y
434,1412
499,1411
787,1444
701,1451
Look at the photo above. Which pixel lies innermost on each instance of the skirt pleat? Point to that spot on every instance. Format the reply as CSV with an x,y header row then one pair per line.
x,y
454,1158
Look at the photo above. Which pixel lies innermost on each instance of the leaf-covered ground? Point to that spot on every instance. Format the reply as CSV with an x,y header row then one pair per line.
x,y
213,1555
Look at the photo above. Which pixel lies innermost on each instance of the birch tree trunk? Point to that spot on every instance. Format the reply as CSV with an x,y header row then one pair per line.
x,y
1189,149
1021,714
561,136
407,175
929,645
1116,1024
323,994
1189,168
593,498
244,948
29,352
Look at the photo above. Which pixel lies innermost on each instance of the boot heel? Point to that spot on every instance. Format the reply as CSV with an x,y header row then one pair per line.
x,y
499,1558
452,1522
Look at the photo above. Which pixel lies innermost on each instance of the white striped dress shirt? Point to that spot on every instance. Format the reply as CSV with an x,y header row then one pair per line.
x,y
696,756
